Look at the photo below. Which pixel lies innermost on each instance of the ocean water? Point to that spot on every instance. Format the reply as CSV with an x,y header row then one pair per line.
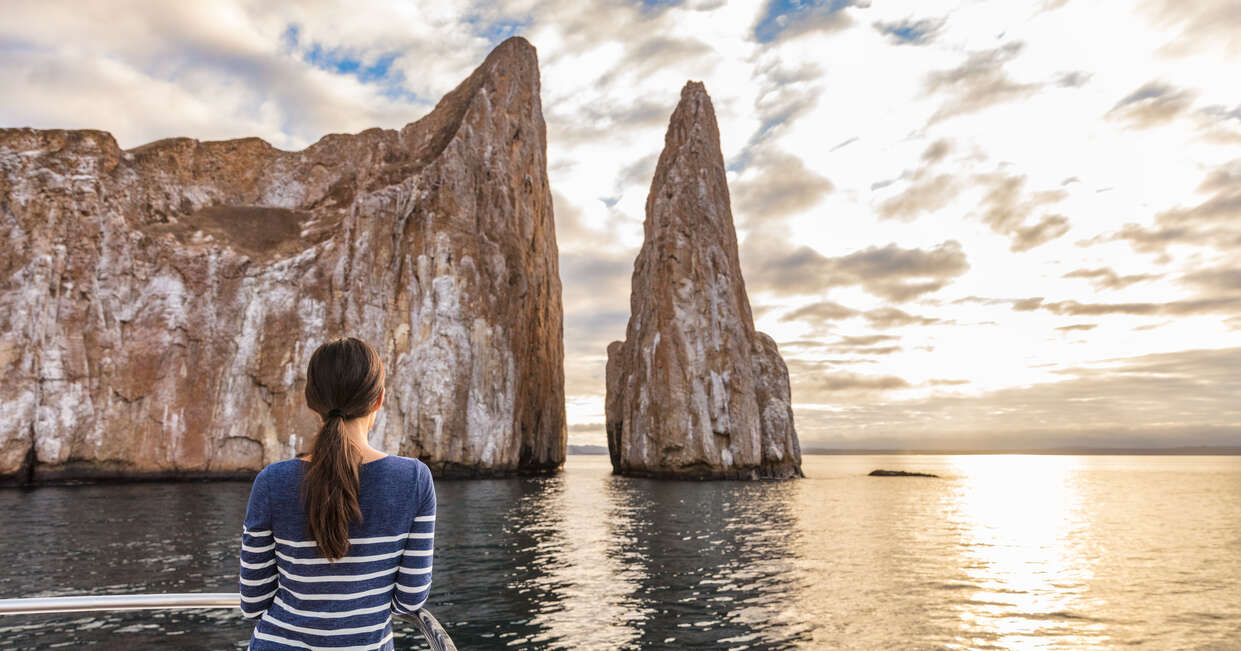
x,y
1000,552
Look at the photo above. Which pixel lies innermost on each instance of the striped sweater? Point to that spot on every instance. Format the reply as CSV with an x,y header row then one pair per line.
x,y
301,600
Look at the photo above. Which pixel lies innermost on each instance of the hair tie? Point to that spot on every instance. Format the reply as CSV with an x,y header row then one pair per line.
x,y
336,413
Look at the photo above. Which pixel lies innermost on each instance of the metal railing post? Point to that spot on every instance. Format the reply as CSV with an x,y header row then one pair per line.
x,y
430,627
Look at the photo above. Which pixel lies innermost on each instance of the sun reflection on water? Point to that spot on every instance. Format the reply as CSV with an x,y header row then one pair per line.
x,y
1020,522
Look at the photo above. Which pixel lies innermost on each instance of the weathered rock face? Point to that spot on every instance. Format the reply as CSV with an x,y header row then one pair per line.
x,y
160,304
694,391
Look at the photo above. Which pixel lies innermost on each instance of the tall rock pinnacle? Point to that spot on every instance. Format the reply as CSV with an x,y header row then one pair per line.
x,y
159,305
694,391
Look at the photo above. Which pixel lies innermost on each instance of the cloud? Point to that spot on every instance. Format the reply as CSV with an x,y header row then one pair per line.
x,y
1078,327
1006,206
883,317
606,118
1223,207
979,82
575,237
582,28
785,92
656,52
1157,239
597,276
1172,308
1214,222
982,300
945,382
777,184
640,172
145,96
1223,280
1074,79
782,19
820,390
593,330
844,143
1049,228
1106,278
891,317
1115,402
1186,307
864,340
821,311
910,31
889,272
900,274
1197,26
1220,124
927,194
936,151
1153,104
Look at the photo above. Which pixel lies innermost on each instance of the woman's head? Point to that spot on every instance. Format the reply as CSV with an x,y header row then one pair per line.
x,y
344,382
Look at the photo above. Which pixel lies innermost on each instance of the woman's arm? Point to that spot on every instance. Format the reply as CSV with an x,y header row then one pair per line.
x,y
413,576
258,553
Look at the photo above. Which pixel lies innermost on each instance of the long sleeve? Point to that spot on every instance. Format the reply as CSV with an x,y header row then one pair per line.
x,y
413,577
258,553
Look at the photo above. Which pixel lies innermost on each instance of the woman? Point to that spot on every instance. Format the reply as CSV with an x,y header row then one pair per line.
x,y
334,543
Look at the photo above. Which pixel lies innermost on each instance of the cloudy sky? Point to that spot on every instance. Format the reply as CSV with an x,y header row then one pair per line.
x,y
986,224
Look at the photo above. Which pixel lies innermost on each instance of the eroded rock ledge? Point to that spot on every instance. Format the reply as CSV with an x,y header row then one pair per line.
x,y
159,305
694,391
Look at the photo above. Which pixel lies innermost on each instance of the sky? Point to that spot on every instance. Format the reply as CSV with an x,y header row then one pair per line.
x,y
967,224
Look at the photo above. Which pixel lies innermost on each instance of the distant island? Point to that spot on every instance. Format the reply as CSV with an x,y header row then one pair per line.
x,y
588,449
899,473
1182,451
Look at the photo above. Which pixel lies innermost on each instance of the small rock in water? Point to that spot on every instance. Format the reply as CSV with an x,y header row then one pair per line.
x,y
899,473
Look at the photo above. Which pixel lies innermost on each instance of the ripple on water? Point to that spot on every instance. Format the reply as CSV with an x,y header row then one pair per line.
x,y
1003,552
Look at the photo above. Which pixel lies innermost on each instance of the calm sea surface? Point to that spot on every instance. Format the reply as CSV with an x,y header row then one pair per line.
x,y
1071,552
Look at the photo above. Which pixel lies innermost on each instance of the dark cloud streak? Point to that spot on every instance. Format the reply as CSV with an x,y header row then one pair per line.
x,y
978,83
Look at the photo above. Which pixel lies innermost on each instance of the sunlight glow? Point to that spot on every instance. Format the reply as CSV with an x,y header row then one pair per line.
x,y
1020,519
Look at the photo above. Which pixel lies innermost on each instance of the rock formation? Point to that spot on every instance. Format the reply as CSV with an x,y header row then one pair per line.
x,y
899,473
160,304
694,391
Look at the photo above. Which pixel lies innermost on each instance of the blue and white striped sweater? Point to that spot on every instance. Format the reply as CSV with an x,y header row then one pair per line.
x,y
304,601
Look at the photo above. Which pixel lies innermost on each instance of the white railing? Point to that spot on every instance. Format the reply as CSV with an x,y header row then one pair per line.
x,y
430,628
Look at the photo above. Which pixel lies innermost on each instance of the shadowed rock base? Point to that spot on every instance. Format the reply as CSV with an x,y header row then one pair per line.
x,y
708,474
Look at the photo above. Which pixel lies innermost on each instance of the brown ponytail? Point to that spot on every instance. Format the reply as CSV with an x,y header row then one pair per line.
x,y
344,381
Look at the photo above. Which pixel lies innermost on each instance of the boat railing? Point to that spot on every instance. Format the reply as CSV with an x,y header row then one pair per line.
x,y
437,638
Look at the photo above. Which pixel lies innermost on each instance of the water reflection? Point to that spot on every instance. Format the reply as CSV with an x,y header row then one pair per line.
x,y
122,539
999,552
1024,553
709,563
503,538
590,580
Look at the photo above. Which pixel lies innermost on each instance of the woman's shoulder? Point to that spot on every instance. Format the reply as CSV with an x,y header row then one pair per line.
x,y
279,469
411,464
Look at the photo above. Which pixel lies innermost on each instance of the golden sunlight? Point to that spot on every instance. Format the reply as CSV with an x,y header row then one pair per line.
x,y
1020,520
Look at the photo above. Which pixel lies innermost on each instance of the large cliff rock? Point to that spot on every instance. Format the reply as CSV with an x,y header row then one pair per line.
x,y
694,391
159,305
